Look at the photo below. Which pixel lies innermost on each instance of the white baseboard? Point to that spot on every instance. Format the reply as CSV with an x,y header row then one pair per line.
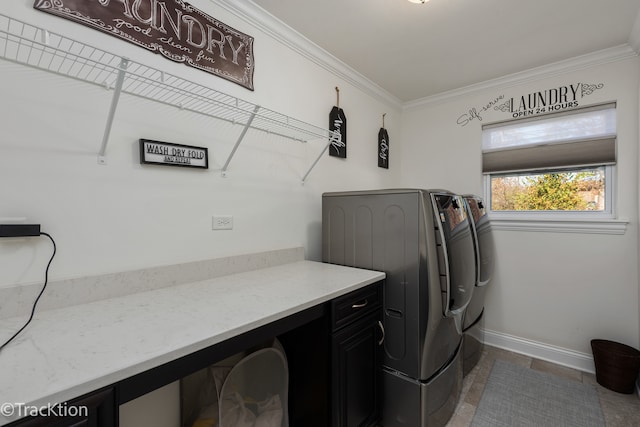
x,y
558,355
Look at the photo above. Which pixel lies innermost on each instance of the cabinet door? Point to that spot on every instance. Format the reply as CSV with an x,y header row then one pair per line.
x,y
94,410
356,374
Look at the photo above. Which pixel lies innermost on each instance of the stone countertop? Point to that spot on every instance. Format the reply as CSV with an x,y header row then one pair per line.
x,y
68,352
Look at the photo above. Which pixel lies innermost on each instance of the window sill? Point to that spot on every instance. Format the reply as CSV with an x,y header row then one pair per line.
x,y
584,226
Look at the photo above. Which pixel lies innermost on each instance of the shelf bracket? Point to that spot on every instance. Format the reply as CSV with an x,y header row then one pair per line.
x,y
333,135
240,138
112,110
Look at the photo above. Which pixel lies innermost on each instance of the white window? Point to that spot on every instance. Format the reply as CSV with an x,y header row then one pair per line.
x,y
557,166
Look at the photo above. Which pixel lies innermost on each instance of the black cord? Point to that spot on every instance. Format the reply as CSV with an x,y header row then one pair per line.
x,y
33,308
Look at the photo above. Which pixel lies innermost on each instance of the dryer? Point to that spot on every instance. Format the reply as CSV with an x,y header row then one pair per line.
x,y
473,319
423,241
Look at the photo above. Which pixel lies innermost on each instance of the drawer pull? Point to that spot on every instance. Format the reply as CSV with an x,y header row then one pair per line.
x,y
361,305
381,326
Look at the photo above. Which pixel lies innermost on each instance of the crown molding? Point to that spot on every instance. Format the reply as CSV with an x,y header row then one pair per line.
x,y
287,36
605,56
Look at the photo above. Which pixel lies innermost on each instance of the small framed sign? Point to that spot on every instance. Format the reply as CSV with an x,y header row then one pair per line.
x,y
168,154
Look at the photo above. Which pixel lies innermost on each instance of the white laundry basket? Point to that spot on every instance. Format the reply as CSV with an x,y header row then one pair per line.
x,y
255,393
251,391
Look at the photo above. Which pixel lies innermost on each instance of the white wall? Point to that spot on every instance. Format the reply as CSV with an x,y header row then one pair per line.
x,y
555,289
126,216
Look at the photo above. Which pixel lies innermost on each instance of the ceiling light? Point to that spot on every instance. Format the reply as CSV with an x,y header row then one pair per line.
x,y
419,1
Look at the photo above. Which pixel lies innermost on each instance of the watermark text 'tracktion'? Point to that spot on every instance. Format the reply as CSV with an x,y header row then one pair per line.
x,y
19,410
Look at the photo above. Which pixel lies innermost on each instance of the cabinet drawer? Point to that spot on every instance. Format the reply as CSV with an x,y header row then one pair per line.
x,y
355,305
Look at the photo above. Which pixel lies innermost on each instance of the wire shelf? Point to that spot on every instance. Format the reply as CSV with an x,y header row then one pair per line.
x,y
38,48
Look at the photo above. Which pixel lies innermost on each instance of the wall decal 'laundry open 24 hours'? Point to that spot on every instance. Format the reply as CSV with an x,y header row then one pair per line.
x,y
541,102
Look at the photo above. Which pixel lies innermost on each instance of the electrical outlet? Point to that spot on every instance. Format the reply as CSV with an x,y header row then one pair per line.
x,y
223,222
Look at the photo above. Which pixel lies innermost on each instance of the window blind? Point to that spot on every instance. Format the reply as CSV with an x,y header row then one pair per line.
x,y
583,137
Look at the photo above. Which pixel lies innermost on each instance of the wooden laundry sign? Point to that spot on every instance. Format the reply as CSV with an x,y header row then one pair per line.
x,y
172,28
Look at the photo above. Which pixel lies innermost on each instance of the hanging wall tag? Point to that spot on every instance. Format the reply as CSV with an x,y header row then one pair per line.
x,y
338,127
338,123
383,148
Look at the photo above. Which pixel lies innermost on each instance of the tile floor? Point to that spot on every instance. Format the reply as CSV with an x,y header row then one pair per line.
x,y
620,410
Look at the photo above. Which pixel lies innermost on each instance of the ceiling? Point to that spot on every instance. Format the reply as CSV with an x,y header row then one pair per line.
x,y
415,51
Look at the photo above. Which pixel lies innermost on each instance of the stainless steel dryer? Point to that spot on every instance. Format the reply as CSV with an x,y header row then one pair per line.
x,y
473,324
422,240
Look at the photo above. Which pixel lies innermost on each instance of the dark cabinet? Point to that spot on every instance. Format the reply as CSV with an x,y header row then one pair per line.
x,y
356,358
97,409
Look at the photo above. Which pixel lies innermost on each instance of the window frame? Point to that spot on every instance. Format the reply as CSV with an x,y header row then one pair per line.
x,y
586,222
609,189
600,222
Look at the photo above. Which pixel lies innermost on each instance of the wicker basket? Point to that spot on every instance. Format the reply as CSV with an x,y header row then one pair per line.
x,y
617,365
